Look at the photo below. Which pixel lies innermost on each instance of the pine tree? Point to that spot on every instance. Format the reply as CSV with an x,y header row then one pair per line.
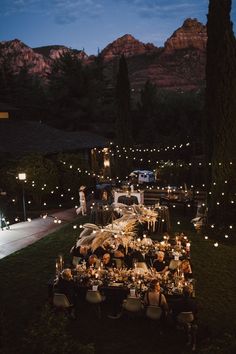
x,y
221,109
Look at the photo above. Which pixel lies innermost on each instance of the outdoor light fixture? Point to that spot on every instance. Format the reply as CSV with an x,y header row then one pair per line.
x,y
22,177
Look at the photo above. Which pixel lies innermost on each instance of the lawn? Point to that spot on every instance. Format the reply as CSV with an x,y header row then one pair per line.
x,y
28,326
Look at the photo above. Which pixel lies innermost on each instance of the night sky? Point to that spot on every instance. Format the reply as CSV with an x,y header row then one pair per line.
x,y
92,24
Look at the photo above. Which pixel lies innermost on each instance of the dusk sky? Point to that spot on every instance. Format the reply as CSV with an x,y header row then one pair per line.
x,y
92,24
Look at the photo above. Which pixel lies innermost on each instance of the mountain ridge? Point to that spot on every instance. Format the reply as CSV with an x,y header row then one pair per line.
x,y
178,65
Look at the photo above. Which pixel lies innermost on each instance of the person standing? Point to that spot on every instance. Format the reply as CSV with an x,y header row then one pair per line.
x,y
3,208
82,199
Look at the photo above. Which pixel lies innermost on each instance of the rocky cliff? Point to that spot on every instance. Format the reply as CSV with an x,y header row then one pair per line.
x,y
127,45
55,51
38,61
179,65
191,35
18,55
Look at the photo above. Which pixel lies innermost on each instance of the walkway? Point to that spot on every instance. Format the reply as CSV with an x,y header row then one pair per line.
x,y
23,234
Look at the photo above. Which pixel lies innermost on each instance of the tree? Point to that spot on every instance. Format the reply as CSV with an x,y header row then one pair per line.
x,y
148,99
221,109
123,118
42,176
7,80
72,93
29,95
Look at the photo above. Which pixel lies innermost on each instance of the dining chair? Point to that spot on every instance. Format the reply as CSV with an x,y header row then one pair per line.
x,y
133,304
75,261
61,301
174,264
119,262
142,265
186,320
95,298
153,312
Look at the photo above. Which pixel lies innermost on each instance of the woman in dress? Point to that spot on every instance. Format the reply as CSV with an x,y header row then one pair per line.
x,y
153,296
82,200
186,269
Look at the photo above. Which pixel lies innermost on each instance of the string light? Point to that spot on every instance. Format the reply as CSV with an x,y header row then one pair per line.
x,y
146,149
161,163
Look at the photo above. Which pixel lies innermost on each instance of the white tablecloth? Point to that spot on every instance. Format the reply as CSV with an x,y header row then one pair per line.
x,y
139,195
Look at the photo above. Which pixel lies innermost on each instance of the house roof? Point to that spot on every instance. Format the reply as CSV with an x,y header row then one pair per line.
x,y
24,137
7,107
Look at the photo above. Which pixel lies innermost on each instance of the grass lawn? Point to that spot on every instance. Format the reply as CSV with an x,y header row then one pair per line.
x,y
24,277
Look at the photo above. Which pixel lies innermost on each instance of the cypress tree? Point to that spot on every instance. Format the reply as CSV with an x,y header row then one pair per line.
x,y
123,117
221,110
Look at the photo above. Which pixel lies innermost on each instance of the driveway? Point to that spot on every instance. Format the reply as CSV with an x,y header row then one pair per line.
x,y
25,233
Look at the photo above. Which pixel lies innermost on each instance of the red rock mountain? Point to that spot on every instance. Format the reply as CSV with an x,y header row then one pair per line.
x,y
191,35
127,45
38,61
19,55
179,65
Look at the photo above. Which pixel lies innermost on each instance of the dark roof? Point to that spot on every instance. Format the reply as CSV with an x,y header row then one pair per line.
x,y
24,137
7,107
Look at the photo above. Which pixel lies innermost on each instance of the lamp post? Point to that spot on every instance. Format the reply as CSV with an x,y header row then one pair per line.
x,y
22,177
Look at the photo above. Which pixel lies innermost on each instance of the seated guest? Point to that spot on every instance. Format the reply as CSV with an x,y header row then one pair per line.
x,y
119,252
128,260
137,256
82,252
153,296
186,304
66,285
149,258
107,261
118,256
160,264
93,261
186,268
104,248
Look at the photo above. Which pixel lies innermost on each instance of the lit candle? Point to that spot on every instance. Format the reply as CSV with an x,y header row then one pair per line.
x,y
188,246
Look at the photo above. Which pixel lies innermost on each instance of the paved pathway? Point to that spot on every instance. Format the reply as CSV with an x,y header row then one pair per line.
x,y
23,234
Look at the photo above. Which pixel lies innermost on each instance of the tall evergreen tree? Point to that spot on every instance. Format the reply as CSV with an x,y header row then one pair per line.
x,y
123,118
148,99
221,108
71,92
